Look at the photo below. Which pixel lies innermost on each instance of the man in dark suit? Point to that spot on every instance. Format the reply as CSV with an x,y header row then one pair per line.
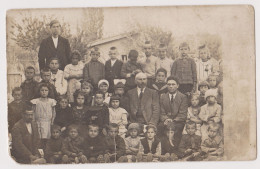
x,y
144,102
54,46
174,108
26,140
113,68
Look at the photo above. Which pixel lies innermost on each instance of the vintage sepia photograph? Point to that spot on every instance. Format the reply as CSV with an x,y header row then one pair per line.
x,y
131,84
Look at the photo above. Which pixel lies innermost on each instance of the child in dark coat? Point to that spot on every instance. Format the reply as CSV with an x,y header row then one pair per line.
x,y
203,87
99,113
29,86
63,113
190,143
115,145
73,147
16,108
53,147
94,145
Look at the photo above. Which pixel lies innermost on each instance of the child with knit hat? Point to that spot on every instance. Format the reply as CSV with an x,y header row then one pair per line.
x,y
210,112
103,85
133,140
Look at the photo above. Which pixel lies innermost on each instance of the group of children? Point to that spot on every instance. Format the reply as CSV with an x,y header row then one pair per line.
x,y
82,113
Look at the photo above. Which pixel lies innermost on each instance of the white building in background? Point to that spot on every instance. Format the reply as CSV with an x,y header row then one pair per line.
x,y
122,42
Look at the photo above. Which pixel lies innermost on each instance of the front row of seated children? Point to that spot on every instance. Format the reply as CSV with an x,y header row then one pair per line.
x,y
99,148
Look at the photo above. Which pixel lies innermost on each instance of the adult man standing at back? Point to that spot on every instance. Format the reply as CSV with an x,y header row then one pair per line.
x,y
54,46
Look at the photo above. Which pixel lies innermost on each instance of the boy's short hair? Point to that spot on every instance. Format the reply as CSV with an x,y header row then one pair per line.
x,y
16,89
150,126
76,53
100,92
112,125
28,107
94,50
173,78
161,70
203,83
133,54
54,58
63,97
93,125
114,97
73,126
213,125
30,67
184,44
55,127
54,22
45,70
189,123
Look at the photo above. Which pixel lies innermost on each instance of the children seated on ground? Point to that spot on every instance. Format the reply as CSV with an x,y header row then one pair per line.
x,y
190,143
95,145
115,145
168,143
150,144
130,69
118,115
16,108
79,113
73,73
73,147
184,68
87,89
133,142
103,86
63,113
203,87
94,71
44,109
99,113
163,61
193,113
57,76
160,82
210,112
204,65
46,77
119,89
29,86
213,144
112,68
53,152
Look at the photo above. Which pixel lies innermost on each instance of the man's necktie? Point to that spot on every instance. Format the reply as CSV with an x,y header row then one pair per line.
x,y
141,94
172,98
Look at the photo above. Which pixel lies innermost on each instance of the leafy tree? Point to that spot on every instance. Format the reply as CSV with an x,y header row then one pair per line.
x,y
29,34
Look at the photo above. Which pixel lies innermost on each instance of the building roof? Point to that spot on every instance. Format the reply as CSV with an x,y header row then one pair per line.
x,y
110,39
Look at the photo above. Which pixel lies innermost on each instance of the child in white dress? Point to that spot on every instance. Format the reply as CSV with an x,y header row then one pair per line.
x,y
118,115
73,73
44,108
